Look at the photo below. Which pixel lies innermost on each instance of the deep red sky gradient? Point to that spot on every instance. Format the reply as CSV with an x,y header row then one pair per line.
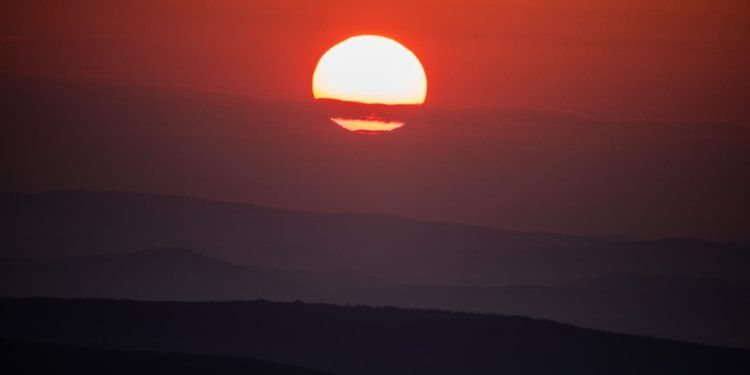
x,y
530,170
586,117
656,59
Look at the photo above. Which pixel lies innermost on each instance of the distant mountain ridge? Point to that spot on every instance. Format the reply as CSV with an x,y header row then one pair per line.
x,y
692,309
64,224
91,244
155,274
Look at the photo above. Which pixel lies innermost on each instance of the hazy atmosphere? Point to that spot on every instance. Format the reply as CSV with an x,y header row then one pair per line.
x,y
375,187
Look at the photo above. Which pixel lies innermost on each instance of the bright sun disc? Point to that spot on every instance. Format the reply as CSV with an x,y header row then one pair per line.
x,y
370,69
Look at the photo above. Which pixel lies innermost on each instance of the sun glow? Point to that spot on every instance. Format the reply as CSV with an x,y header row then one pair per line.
x,y
367,125
370,69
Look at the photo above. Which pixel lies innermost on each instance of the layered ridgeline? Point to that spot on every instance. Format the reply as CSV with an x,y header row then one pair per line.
x,y
681,289
64,224
357,340
691,309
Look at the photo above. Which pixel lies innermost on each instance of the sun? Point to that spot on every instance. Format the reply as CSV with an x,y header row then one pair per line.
x,y
370,69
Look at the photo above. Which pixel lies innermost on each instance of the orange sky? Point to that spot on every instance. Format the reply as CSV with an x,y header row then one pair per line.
x,y
632,59
585,117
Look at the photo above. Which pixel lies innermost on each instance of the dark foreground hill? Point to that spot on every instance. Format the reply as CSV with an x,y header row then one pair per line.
x,y
358,340
709,311
22,358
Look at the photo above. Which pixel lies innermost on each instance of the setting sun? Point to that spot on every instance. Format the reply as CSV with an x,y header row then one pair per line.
x,y
370,69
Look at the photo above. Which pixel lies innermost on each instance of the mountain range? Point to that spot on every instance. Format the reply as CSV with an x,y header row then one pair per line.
x,y
121,245
72,223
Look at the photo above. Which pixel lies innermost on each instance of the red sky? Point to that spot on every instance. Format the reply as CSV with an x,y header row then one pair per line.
x,y
627,59
585,117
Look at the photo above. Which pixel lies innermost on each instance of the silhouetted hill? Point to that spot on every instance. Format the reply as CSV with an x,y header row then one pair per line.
x,y
709,311
35,358
58,224
367,259
636,282
165,273
358,340
706,311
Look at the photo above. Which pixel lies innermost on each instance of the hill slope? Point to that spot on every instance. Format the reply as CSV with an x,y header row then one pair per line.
x,y
35,358
690,309
58,224
155,274
695,311
358,340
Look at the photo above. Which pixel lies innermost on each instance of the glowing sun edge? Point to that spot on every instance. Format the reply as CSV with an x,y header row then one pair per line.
x,y
370,69
365,125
